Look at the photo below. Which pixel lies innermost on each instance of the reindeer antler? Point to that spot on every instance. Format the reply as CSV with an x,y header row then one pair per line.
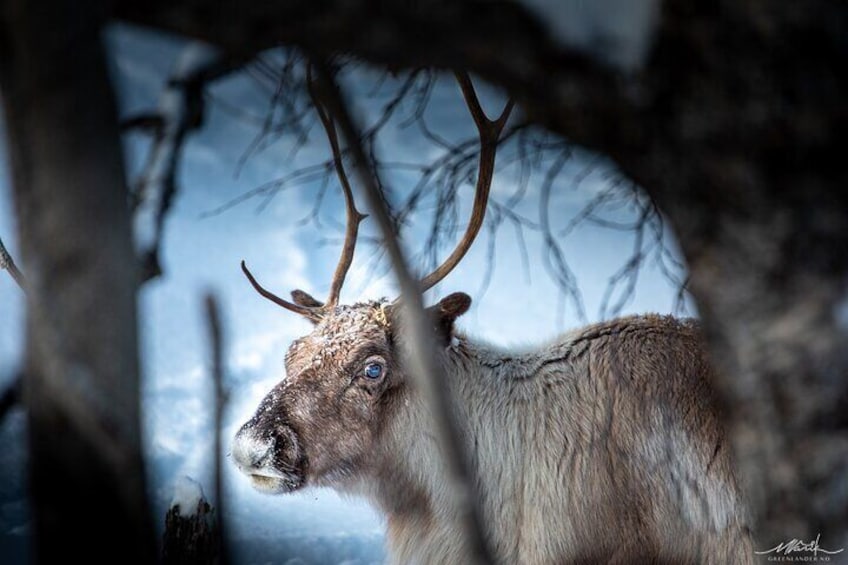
x,y
489,132
354,217
312,312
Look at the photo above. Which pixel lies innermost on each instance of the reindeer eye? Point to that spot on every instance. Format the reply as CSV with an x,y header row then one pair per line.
x,y
373,370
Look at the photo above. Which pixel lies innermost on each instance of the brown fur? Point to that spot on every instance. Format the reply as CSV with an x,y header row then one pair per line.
x,y
604,446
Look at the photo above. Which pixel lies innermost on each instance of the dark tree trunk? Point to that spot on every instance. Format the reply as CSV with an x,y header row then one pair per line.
x,y
81,385
191,537
732,126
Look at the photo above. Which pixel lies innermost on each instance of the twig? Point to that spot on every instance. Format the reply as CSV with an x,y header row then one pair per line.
x,y
12,395
8,264
422,363
554,257
216,344
145,123
181,111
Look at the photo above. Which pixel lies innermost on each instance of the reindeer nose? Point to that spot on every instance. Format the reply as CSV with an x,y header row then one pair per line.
x,y
252,450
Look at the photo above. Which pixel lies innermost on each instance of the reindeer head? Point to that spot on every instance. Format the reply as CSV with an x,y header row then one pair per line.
x,y
322,424
324,421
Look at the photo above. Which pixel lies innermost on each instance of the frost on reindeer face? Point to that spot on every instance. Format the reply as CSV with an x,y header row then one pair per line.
x,y
323,423
319,425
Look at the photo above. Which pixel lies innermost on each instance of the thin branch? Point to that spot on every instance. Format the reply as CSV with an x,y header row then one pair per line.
x,y
554,256
145,122
216,344
11,396
181,111
628,273
422,364
8,264
285,95
299,177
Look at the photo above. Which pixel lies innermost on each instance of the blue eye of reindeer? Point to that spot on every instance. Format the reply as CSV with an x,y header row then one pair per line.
x,y
373,370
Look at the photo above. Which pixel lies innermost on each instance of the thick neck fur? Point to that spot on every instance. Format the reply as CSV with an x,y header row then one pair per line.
x,y
603,445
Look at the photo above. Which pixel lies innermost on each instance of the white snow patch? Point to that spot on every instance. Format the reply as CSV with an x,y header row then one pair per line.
x,y
187,496
616,32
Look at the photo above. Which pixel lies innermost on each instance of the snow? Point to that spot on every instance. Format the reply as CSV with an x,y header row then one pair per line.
x,y
615,32
187,496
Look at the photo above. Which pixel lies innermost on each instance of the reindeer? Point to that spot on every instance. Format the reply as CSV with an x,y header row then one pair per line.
x,y
606,445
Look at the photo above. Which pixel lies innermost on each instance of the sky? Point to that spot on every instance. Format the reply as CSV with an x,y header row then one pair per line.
x,y
519,307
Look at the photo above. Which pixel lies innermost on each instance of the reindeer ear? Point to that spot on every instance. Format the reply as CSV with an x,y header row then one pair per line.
x,y
305,299
445,313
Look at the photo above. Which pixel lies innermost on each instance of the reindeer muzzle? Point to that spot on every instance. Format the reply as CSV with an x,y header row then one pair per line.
x,y
272,459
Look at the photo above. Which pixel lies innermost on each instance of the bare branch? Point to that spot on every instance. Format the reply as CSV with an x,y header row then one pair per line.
x,y
305,175
8,264
554,256
145,122
181,112
288,85
628,274
216,345
12,394
422,362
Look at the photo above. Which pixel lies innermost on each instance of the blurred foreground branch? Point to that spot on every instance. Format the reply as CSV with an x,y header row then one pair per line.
x,y
181,111
216,350
11,395
423,351
8,264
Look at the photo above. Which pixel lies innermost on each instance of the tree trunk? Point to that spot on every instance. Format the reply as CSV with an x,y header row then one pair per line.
x,y
81,386
192,537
